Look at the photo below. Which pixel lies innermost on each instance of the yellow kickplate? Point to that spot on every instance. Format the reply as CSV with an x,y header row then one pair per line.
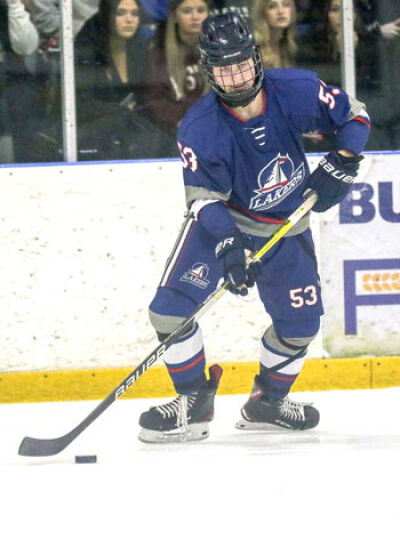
x,y
385,371
96,384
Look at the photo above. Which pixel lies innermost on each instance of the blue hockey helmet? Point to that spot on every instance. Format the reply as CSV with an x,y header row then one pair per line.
x,y
226,40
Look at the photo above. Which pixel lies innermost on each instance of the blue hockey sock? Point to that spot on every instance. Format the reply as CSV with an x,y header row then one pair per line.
x,y
275,385
276,381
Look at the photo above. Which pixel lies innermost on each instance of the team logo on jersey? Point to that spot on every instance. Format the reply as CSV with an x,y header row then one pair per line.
x,y
197,275
276,181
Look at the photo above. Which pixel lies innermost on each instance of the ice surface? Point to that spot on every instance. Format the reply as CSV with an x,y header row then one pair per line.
x,y
340,480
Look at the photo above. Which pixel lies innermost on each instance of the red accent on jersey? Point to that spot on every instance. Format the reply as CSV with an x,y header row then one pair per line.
x,y
273,187
254,216
362,120
241,119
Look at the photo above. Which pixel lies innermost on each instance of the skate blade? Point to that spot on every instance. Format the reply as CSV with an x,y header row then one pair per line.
x,y
190,434
243,424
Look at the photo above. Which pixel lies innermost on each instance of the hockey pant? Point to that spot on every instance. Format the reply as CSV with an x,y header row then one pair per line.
x,y
288,288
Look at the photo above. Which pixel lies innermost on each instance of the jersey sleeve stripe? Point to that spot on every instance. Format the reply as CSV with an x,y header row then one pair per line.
x,y
362,120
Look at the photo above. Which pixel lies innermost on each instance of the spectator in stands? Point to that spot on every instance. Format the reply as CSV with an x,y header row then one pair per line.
x,y
175,81
368,11
328,38
18,38
377,75
275,30
23,34
44,67
111,60
372,33
333,30
47,16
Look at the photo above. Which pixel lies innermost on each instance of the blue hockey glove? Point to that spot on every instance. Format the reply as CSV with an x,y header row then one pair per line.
x,y
231,250
332,179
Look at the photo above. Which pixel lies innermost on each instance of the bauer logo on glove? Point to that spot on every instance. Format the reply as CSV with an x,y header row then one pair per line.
x,y
332,179
336,173
226,243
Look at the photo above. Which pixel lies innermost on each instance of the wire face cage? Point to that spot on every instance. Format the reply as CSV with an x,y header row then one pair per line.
x,y
237,84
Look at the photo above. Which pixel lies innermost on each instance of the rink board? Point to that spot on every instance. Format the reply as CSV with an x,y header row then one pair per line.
x,y
83,249
360,264
87,384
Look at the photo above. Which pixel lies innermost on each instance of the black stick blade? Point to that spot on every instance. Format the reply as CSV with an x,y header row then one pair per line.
x,y
36,447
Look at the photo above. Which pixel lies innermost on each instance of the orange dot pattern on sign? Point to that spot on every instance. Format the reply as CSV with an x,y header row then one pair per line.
x,y
381,282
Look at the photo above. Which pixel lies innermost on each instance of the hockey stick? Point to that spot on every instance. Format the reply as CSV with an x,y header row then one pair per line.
x,y
36,447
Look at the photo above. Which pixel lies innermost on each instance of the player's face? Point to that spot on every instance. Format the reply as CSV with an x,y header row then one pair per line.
x,y
189,15
236,77
127,18
279,13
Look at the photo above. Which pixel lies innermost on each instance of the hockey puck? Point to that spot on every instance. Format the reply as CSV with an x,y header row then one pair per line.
x,y
85,459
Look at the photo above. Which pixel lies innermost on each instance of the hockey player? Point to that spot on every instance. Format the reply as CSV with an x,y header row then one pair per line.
x,y
244,172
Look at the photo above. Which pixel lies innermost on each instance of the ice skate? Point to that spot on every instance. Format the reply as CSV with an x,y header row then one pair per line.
x,y
261,414
185,418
